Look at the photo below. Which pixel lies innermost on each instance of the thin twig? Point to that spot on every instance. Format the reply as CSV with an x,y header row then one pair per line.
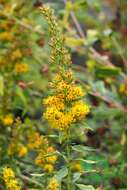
x,y
31,180
112,103
96,55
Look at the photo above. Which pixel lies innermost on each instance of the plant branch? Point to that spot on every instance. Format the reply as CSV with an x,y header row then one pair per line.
x,y
101,59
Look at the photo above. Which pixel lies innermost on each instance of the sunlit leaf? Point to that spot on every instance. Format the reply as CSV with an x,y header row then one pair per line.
x,y
85,187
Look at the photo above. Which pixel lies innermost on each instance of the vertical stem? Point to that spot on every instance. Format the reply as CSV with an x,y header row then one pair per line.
x,y
69,180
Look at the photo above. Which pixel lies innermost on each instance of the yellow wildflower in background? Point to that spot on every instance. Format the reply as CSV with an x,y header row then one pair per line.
x,y
10,179
6,36
123,87
17,54
12,148
46,158
22,150
21,68
76,166
48,168
53,184
8,120
36,141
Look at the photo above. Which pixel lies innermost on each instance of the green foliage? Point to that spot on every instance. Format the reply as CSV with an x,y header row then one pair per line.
x,y
94,31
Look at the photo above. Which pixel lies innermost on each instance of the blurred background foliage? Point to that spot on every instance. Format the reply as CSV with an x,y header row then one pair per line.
x,y
95,32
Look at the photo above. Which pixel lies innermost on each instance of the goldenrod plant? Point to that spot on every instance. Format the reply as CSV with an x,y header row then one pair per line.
x,y
65,108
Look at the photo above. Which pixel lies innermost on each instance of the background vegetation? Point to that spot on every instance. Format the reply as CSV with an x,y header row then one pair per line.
x,y
95,33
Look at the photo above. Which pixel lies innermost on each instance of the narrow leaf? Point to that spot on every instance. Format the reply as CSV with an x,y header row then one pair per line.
x,y
61,173
85,187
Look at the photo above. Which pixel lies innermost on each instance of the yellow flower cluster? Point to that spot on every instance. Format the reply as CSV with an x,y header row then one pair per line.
x,y
17,148
10,180
46,158
22,150
53,184
8,120
15,55
66,106
21,68
123,88
6,36
76,166
36,141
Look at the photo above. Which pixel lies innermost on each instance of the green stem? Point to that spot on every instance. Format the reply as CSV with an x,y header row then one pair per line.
x,y
69,180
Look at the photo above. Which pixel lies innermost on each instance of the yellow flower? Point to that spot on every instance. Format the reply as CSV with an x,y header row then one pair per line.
x,y
12,148
123,87
57,78
48,168
8,120
53,184
52,158
17,54
79,110
8,172
57,119
36,141
21,68
74,93
22,150
76,166
10,180
46,159
56,101
6,36
62,86
65,107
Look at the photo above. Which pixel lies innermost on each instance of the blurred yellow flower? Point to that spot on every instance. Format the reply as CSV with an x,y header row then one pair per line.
x,y
36,141
8,120
48,168
22,150
21,68
17,54
10,180
123,88
46,159
6,36
53,184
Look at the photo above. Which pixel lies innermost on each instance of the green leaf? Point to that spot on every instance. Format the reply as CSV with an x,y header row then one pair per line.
x,y
88,161
83,149
103,72
61,173
72,42
1,86
76,176
20,93
85,187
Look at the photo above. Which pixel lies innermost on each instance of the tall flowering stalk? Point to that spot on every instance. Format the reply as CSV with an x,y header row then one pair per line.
x,y
65,107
